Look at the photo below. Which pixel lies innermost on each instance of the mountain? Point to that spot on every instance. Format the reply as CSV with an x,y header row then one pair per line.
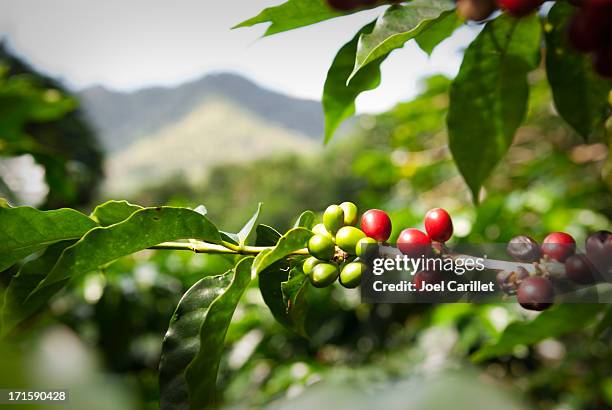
x,y
123,118
156,133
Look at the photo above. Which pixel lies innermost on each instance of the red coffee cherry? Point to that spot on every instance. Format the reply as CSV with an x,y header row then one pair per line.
x,y
343,5
558,246
524,249
428,277
588,29
475,10
602,61
439,225
599,252
414,243
535,293
519,8
578,269
376,224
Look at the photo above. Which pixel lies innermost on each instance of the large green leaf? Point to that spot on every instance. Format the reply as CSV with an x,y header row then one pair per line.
x,y
555,322
292,14
266,235
196,335
581,97
247,229
25,230
201,374
437,32
112,212
305,220
294,240
396,26
338,96
145,228
488,98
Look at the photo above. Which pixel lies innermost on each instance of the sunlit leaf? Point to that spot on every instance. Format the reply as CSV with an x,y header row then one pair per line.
x,y
112,212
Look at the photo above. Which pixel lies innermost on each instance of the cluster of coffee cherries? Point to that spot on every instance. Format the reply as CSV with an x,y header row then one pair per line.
x,y
590,31
536,292
337,246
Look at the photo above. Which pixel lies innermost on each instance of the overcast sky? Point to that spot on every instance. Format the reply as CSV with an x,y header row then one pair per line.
x,y
128,44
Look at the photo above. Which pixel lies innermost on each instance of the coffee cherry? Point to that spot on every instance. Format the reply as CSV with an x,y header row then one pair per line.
x,y
588,29
439,225
376,224
351,274
429,277
535,293
578,269
324,274
321,247
343,5
348,237
475,10
309,265
319,229
414,243
366,247
519,8
558,246
351,213
333,218
599,252
602,61
524,249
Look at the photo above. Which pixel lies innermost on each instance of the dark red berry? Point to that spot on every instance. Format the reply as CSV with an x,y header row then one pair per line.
x,y
602,61
519,8
578,269
439,225
376,224
510,281
414,243
558,246
535,293
599,252
588,29
343,5
431,278
524,249
475,10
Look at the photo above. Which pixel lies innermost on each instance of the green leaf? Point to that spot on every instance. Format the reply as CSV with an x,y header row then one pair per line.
x,y
201,374
14,310
292,14
437,32
557,321
488,98
112,212
295,300
266,235
604,324
305,220
194,334
580,95
396,26
246,231
26,230
145,228
338,97
271,280
292,241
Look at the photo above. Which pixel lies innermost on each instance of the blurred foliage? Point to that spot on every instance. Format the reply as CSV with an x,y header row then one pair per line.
x,y
39,118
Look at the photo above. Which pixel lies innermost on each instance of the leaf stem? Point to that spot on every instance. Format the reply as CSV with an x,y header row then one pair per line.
x,y
225,248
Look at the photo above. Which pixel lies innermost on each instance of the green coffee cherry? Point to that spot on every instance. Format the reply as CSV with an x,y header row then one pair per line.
x,y
319,229
351,213
348,237
365,246
321,247
333,218
309,265
350,277
324,274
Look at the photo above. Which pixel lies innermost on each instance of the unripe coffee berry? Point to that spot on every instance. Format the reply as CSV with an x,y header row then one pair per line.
x,y
578,269
558,246
321,247
309,265
351,213
333,218
376,224
319,229
414,243
366,247
524,249
351,274
535,293
348,237
324,274
439,225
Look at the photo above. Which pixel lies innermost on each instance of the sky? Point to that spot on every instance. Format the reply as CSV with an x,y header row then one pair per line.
x,y
130,44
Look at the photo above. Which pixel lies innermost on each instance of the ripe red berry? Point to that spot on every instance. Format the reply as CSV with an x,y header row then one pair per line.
x,y
602,61
519,8
343,5
599,252
376,224
558,246
535,293
588,29
578,269
439,225
524,249
428,277
414,243
475,10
